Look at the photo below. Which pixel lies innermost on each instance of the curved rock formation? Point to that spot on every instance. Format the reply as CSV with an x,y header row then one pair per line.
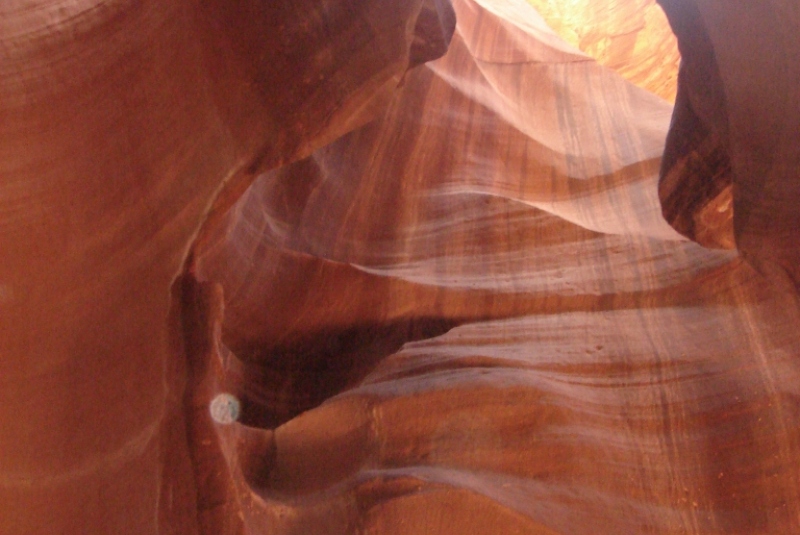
x,y
421,244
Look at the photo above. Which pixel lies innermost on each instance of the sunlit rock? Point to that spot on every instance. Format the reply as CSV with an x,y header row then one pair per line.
x,y
421,266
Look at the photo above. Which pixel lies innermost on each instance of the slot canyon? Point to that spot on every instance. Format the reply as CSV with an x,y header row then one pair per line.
x,y
399,267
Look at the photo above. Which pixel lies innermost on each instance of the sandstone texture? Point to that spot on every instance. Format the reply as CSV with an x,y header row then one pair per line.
x,y
399,267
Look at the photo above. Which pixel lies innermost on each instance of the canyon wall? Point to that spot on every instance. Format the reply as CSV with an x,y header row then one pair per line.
x,y
463,265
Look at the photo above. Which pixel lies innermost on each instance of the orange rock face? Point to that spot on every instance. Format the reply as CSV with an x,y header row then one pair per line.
x,y
633,38
423,266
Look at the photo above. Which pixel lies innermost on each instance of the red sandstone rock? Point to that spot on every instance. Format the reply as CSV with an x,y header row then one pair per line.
x,y
441,289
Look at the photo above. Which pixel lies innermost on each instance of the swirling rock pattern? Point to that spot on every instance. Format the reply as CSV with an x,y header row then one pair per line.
x,y
436,252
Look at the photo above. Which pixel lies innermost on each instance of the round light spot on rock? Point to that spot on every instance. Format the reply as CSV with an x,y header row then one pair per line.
x,y
225,408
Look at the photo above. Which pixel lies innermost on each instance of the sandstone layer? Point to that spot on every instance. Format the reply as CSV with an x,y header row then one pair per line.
x,y
464,265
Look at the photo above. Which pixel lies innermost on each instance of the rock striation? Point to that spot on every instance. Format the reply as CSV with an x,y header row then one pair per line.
x,y
424,266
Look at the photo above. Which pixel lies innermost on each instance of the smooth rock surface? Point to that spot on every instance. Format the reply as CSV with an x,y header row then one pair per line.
x,y
430,247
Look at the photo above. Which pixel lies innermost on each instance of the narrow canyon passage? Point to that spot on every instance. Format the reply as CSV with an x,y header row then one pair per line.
x,y
465,266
